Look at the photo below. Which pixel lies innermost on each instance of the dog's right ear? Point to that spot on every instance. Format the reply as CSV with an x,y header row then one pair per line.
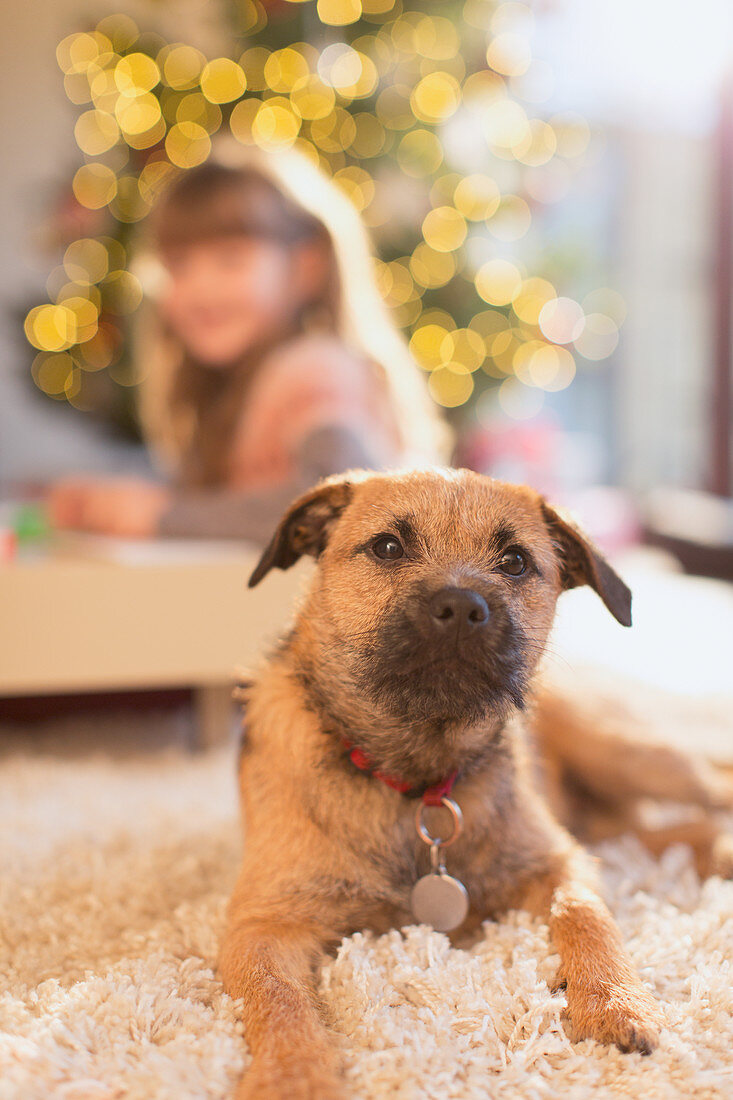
x,y
305,527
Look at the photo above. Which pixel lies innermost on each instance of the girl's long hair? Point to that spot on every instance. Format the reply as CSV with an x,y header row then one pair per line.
x,y
188,412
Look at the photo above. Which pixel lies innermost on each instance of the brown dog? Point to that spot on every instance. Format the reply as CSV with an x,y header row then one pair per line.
x,y
410,662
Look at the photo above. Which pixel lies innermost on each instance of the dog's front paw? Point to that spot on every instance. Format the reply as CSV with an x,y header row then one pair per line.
x,y
276,1080
625,1015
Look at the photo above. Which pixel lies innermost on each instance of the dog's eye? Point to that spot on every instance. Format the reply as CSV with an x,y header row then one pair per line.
x,y
513,562
387,547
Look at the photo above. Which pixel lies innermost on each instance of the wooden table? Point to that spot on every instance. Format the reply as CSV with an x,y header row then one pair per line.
x,y
95,614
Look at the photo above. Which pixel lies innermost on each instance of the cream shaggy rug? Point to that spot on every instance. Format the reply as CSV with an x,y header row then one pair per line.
x,y
114,872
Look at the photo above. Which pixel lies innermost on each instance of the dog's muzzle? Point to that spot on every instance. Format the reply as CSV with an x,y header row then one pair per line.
x,y
450,651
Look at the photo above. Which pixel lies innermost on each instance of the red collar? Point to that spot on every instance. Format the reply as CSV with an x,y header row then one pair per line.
x,y
431,796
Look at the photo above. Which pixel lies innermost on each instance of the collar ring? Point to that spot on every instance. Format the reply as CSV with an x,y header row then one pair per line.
x,y
425,834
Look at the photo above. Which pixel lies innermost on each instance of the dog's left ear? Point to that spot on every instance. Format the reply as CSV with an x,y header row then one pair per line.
x,y
582,563
305,527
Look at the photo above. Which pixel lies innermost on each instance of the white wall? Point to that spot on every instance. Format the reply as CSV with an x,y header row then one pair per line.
x,y
665,254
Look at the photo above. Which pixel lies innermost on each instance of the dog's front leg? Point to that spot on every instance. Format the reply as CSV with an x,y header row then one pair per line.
x,y
272,966
606,1000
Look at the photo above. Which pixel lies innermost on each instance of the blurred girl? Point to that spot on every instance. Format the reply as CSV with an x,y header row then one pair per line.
x,y
268,358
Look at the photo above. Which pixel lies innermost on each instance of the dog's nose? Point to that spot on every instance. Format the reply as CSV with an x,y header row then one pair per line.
x,y
458,607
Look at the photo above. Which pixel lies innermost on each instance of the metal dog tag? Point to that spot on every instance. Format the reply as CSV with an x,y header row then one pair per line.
x,y
440,900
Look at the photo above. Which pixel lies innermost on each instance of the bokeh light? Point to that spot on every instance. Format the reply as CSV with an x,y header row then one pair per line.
x,y
477,197
419,153
338,13
599,337
561,320
498,282
187,144
95,132
182,66
451,385
123,292
444,229
135,74
431,268
86,261
94,186
222,80
435,97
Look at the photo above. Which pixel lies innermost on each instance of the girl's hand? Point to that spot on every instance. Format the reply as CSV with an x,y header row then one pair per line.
x,y
127,507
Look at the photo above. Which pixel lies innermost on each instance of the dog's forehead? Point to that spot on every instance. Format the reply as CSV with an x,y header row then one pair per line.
x,y
438,502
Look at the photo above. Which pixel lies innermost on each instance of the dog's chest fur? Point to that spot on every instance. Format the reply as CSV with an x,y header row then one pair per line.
x,y
359,835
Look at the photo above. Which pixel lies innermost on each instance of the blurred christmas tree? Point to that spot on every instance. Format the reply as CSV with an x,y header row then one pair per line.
x,y
429,120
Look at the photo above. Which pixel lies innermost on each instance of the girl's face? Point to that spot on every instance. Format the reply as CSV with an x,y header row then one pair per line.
x,y
224,295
